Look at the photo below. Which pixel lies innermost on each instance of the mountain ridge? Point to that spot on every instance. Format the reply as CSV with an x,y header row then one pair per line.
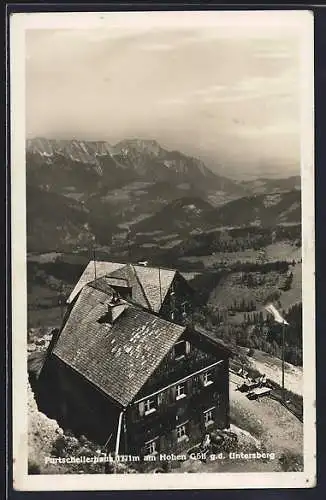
x,y
140,157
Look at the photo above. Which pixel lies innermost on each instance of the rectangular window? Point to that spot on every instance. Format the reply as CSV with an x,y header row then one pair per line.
x,y
150,406
180,391
179,349
208,377
182,432
152,447
209,416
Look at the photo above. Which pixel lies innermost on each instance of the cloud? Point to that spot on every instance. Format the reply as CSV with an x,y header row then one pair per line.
x,y
282,128
282,87
173,101
155,47
210,90
273,55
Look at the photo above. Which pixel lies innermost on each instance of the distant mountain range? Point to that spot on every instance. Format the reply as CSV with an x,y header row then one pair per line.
x,y
78,191
90,166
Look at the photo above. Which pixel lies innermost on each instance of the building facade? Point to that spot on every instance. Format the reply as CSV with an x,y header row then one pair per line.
x,y
137,378
186,397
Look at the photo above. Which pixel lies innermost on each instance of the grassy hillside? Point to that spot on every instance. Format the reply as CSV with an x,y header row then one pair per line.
x,y
183,215
263,185
262,210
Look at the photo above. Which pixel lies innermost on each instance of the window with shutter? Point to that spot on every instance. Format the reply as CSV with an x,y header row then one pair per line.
x,y
181,391
208,377
218,400
189,386
160,399
150,405
151,447
181,432
141,408
172,394
174,434
209,416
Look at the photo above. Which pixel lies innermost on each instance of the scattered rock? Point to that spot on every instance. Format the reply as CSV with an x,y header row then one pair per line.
x,y
40,341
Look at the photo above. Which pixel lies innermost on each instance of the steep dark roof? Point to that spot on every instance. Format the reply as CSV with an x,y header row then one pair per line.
x,y
103,268
128,273
117,358
103,285
156,283
149,284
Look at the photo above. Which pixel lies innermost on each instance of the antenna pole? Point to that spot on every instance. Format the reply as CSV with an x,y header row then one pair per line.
x,y
128,243
61,303
94,257
159,278
283,335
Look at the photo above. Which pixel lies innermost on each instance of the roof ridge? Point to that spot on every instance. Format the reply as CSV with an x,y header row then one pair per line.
x,y
157,267
132,264
141,286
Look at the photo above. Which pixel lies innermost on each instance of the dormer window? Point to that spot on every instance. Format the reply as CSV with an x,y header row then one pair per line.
x,y
181,348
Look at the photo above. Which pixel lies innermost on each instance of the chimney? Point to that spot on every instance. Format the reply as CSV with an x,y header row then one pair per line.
x,y
109,315
115,308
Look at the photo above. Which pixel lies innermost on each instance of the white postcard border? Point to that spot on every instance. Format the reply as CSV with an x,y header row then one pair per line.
x,y
298,21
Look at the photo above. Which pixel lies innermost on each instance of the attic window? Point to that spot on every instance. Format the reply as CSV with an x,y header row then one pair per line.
x,y
181,348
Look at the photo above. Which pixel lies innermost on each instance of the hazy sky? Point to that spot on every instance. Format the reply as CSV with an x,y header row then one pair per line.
x,y
228,96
